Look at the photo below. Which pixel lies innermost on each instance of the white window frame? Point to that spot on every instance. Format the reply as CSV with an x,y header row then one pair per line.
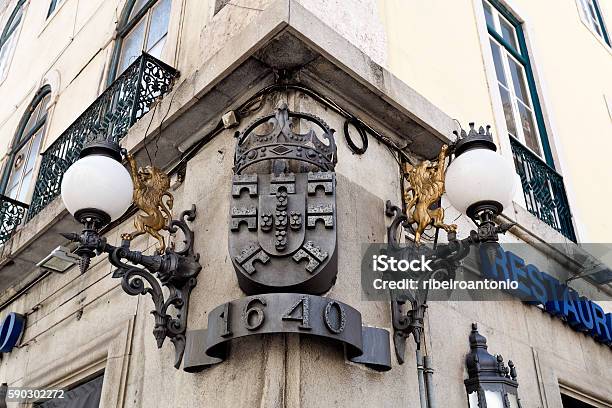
x,y
593,24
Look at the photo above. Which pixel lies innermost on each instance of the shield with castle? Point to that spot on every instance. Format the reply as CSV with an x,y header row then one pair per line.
x,y
283,205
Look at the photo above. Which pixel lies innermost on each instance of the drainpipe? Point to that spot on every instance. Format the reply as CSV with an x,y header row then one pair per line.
x,y
429,381
421,376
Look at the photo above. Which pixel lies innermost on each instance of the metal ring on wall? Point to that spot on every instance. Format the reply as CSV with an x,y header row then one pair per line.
x,y
362,134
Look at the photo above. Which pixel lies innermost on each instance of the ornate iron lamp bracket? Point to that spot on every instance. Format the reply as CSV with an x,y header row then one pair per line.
x,y
177,270
446,258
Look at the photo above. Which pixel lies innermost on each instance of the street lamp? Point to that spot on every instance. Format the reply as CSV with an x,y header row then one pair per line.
x,y
479,182
97,189
490,383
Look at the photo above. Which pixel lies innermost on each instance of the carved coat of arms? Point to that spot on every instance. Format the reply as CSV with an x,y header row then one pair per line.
x,y
283,205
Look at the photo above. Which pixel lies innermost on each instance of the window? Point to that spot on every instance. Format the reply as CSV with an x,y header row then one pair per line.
x,y
86,395
515,81
569,402
143,28
591,15
8,38
219,4
52,6
19,171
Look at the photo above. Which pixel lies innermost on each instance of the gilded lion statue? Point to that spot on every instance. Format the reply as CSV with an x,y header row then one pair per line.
x,y
150,188
426,187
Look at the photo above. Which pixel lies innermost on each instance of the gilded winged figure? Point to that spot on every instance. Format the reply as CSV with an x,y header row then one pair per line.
x,y
150,188
426,187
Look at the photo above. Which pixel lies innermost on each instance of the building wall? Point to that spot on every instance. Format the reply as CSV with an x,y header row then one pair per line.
x,y
571,66
81,324
437,47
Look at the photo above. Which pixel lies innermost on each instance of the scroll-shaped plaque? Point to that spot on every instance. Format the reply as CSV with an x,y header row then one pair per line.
x,y
283,206
287,313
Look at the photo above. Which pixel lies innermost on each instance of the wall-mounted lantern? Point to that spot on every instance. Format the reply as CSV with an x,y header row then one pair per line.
x,y
96,190
490,383
479,182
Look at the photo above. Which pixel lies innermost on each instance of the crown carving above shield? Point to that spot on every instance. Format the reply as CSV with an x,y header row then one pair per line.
x,y
283,143
283,205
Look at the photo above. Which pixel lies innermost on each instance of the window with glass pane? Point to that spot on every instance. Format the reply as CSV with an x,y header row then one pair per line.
x,y
591,15
86,395
8,38
52,6
513,72
144,29
26,147
570,402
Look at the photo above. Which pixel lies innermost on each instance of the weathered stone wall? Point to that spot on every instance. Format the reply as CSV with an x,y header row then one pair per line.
x,y
80,324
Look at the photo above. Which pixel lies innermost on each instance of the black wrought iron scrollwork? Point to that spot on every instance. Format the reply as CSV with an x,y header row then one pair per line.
x,y
446,259
399,219
543,189
175,270
11,214
357,124
181,224
109,117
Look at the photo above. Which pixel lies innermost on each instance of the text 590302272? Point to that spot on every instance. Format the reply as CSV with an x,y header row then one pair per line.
x,y
20,394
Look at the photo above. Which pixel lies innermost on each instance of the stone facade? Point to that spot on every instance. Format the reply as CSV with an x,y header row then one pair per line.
x,y
80,325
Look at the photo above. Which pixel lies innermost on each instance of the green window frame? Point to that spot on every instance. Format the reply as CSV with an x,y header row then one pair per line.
x,y
507,32
18,177
7,38
145,20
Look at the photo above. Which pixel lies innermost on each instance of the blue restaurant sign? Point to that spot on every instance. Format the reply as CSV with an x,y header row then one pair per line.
x,y
539,288
10,331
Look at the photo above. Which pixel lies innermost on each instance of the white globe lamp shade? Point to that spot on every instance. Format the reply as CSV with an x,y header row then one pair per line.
x,y
479,177
98,184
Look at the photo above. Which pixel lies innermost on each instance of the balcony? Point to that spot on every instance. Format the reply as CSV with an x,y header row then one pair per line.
x,y
109,117
11,213
543,190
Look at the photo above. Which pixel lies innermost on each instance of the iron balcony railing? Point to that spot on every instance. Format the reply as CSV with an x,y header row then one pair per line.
x,y
12,213
109,117
543,189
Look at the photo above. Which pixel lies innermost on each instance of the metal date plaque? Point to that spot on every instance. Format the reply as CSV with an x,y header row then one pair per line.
x,y
287,313
283,206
